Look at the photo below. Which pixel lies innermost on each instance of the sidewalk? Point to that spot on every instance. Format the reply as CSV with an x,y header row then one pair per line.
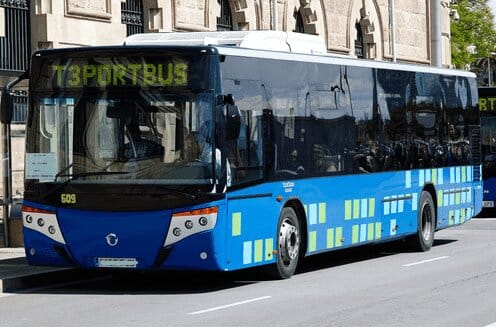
x,y
15,273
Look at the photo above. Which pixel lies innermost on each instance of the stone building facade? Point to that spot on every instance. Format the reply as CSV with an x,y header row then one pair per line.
x,y
342,24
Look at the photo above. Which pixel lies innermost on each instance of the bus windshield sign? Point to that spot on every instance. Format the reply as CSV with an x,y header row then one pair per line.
x,y
145,74
136,71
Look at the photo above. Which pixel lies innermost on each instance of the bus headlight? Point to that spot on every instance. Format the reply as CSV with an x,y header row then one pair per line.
x,y
185,224
46,222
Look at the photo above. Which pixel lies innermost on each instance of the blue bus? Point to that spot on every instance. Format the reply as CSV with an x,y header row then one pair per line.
x,y
487,105
229,150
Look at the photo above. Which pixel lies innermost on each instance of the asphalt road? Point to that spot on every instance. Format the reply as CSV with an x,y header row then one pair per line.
x,y
452,285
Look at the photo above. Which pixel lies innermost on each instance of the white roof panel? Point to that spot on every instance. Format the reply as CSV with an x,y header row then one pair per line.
x,y
262,40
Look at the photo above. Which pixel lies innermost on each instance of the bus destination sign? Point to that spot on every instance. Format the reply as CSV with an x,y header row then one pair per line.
x,y
131,74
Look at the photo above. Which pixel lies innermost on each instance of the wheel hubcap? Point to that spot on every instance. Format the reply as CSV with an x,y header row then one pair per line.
x,y
426,222
289,241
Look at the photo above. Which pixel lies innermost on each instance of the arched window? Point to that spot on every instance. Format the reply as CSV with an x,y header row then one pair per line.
x,y
299,26
359,42
224,22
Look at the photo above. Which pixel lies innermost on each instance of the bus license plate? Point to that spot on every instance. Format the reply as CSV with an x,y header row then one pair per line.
x,y
488,203
112,262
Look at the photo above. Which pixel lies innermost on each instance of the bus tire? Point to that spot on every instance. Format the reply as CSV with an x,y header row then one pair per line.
x,y
288,245
423,240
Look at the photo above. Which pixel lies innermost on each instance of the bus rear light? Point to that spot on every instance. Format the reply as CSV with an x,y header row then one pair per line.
x,y
42,221
185,224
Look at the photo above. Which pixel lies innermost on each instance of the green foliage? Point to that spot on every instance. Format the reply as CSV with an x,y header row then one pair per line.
x,y
474,28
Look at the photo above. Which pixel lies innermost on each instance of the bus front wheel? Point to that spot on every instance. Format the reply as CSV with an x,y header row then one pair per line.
x,y
423,240
288,243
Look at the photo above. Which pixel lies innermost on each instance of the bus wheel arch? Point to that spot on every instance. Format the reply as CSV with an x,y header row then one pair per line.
x,y
299,209
426,220
289,241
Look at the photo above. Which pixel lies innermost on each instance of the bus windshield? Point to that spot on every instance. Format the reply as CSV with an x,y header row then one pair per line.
x,y
122,117
142,137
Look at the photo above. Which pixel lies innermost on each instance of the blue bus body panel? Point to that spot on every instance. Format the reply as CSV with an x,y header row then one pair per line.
x,y
140,236
340,211
489,190
346,211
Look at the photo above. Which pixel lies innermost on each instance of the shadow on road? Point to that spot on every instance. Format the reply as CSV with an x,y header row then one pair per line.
x,y
189,282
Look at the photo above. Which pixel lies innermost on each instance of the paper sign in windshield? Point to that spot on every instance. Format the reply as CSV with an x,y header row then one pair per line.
x,y
40,166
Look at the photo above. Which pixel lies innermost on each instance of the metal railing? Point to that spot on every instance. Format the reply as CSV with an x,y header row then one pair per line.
x,y
20,103
133,16
224,22
15,44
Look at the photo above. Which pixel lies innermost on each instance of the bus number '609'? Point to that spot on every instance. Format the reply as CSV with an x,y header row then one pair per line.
x,y
68,198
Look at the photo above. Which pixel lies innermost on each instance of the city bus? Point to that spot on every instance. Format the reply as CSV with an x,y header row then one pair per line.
x,y
224,151
487,105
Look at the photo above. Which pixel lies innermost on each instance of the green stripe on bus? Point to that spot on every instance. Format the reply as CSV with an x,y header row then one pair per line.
x,y
451,217
458,198
330,238
236,224
372,204
322,212
258,250
463,173
434,176
356,208
370,231
377,234
312,241
338,236
440,200
348,209
269,248
355,234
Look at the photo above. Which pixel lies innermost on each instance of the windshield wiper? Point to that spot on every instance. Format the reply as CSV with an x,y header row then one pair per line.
x,y
180,193
74,176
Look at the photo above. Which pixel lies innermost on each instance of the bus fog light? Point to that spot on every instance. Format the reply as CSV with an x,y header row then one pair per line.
x,y
29,218
32,251
177,232
203,221
189,224
203,255
41,222
51,230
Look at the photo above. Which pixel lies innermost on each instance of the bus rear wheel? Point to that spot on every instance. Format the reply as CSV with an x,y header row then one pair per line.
x,y
288,243
423,240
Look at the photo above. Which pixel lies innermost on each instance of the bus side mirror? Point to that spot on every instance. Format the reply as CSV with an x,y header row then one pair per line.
x,y
225,99
6,106
233,122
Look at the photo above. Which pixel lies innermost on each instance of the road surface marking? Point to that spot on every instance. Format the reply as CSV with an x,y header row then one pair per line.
x,y
491,325
231,305
426,261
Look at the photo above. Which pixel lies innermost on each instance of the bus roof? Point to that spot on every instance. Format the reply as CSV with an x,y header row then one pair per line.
x,y
274,45
263,40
